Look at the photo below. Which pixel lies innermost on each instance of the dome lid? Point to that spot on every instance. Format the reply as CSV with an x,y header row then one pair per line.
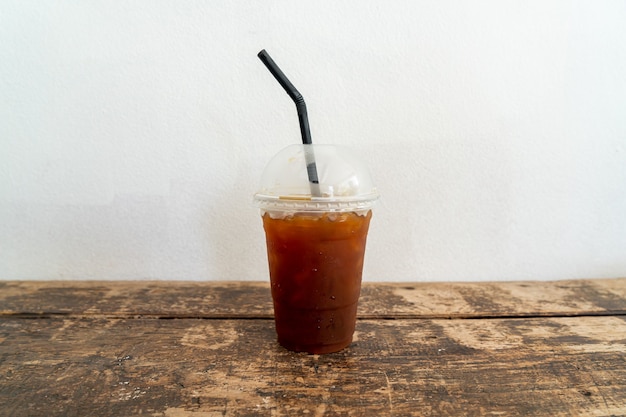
x,y
344,182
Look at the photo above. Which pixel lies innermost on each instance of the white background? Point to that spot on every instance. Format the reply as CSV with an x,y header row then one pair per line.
x,y
132,133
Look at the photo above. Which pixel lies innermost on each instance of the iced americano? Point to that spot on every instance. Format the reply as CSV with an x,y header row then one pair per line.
x,y
315,245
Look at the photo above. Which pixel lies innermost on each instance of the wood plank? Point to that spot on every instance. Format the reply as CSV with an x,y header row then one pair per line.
x,y
253,299
224,367
136,298
496,299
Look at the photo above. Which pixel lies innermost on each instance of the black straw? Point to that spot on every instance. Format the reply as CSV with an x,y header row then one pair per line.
x,y
303,118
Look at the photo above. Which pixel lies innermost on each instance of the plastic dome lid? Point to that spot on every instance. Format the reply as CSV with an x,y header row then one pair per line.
x,y
344,181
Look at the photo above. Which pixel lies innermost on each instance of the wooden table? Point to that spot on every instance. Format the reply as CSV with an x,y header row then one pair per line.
x,y
209,349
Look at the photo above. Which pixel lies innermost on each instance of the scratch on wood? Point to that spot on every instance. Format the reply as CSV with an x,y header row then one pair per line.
x,y
606,404
389,393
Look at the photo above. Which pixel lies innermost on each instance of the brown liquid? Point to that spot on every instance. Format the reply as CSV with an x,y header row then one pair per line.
x,y
316,262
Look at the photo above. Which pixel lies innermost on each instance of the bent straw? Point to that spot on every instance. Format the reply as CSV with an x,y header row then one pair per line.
x,y
303,118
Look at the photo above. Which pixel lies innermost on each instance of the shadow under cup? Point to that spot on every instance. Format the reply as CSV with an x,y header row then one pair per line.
x,y
316,264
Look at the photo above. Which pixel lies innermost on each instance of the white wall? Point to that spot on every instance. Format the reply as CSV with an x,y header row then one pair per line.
x,y
132,133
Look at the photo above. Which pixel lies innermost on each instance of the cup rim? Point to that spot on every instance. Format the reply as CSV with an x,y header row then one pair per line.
x,y
308,203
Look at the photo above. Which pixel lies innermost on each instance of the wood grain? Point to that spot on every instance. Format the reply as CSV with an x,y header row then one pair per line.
x,y
170,349
253,299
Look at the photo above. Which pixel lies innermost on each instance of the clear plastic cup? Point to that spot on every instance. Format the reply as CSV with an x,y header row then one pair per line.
x,y
316,236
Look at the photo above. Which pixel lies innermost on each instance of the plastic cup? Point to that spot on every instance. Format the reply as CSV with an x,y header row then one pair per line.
x,y
315,244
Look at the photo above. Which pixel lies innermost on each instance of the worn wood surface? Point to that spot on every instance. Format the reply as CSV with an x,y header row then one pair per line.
x,y
209,349
253,300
